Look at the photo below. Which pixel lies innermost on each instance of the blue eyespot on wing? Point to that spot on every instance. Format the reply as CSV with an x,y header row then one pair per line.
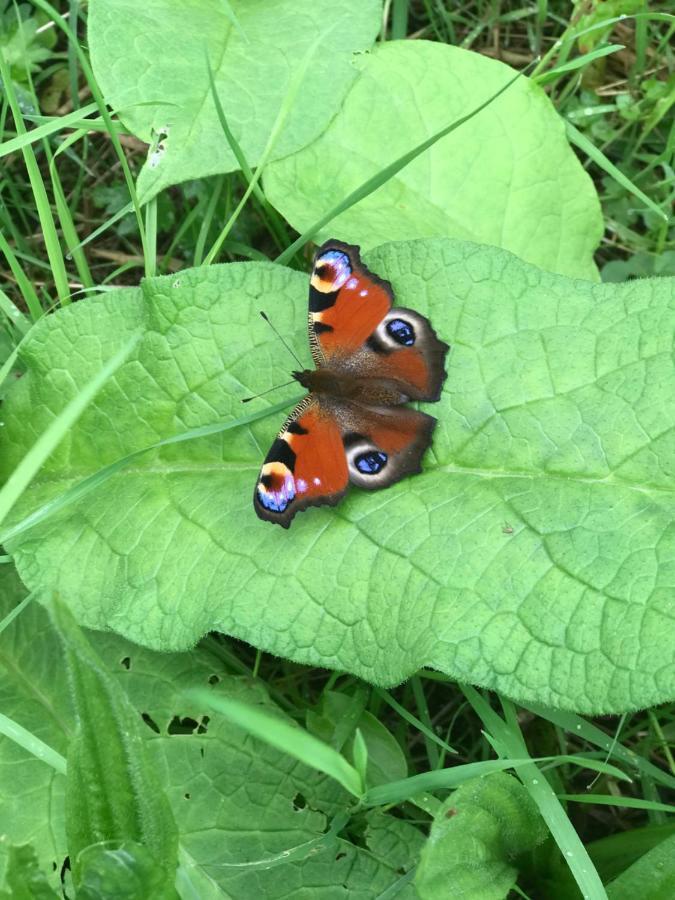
x,y
401,331
371,462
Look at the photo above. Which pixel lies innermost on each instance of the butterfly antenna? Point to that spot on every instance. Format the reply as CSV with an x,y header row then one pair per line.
x,y
265,317
268,391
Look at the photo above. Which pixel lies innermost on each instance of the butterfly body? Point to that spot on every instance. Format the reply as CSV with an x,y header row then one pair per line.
x,y
353,426
343,386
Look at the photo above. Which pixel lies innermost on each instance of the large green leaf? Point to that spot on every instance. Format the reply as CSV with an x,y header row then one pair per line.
x,y
150,61
507,177
651,877
251,819
533,555
476,838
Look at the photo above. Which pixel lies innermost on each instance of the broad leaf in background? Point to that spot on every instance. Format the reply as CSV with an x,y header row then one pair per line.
x,y
533,555
251,820
478,834
20,873
386,761
508,177
154,53
125,870
652,876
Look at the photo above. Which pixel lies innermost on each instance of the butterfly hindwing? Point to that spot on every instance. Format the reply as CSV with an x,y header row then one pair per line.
x,y
306,465
353,327
385,444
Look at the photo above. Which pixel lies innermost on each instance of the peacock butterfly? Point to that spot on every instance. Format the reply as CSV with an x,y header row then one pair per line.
x,y
352,426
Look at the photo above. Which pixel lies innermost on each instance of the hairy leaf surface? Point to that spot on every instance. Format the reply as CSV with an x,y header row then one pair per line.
x,y
507,177
534,555
476,837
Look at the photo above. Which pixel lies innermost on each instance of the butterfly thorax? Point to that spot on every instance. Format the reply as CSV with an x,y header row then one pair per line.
x,y
346,387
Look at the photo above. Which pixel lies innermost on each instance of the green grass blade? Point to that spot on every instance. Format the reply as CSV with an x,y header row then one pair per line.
x,y
453,776
53,13
44,211
28,293
507,735
625,802
32,744
586,762
84,487
284,110
290,739
50,126
8,365
220,182
582,142
70,236
151,238
26,470
437,780
13,313
18,609
377,180
231,139
581,728
232,16
293,854
428,733
563,46
120,214
578,63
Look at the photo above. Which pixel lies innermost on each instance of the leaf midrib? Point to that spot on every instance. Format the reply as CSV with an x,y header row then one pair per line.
x,y
196,468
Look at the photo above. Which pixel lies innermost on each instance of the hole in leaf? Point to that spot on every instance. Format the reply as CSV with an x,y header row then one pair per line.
x,y
188,725
340,856
185,725
201,752
64,868
187,796
126,662
203,725
214,679
150,722
299,802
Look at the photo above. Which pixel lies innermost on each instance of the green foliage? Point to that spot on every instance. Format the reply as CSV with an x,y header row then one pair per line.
x,y
127,802
652,876
23,48
475,838
534,553
551,454
157,53
337,722
126,872
218,781
551,219
23,878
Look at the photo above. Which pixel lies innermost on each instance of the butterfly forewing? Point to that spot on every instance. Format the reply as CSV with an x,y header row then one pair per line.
x,y
346,302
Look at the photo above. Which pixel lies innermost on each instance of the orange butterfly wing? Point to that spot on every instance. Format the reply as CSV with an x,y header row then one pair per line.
x,y
306,465
346,302
353,327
